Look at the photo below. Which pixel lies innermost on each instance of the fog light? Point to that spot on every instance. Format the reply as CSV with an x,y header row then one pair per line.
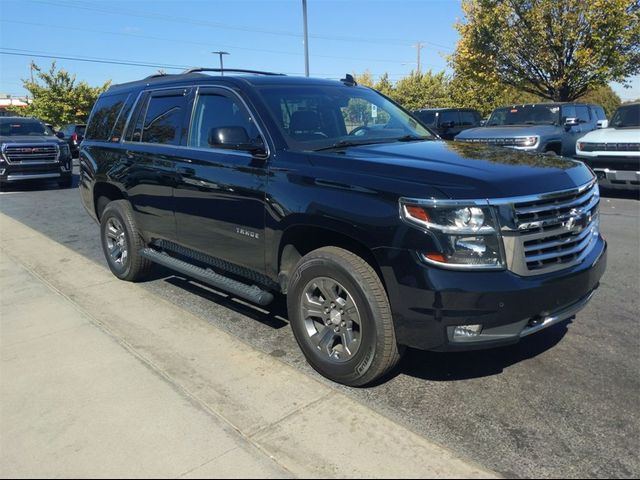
x,y
467,331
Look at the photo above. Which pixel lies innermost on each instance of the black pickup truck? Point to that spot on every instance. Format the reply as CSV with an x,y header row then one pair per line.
x,y
30,151
381,235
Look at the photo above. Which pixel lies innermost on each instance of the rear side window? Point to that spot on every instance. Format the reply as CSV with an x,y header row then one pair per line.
x,y
428,118
104,116
583,113
164,118
468,119
449,116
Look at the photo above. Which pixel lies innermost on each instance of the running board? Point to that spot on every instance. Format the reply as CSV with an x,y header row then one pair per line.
x,y
252,293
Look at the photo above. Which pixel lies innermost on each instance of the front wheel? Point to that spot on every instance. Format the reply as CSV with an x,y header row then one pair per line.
x,y
340,316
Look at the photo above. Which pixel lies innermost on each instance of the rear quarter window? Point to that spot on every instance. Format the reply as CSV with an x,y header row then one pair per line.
x,y
103,119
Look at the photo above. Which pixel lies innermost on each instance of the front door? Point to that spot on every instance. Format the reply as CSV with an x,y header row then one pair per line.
x,y
220,192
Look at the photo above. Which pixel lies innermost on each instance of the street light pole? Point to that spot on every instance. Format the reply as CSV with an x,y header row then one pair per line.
x,y
306,38
221,63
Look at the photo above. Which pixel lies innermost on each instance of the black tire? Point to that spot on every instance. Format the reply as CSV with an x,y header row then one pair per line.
x,y
133,267
378,352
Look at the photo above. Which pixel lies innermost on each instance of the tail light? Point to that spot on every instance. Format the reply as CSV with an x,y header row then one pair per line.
x,y
74,137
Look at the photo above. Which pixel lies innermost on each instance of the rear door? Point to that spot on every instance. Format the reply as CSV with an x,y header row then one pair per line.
x,y
155,143
220,193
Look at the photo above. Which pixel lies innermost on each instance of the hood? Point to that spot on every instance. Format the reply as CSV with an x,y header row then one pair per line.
x,y
462,170
508,131
30,139
613,135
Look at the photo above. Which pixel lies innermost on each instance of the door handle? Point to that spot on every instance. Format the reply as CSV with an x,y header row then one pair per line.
x,y
186,171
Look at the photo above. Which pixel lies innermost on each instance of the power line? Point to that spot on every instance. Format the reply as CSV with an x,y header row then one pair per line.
x,y
206,23
188,42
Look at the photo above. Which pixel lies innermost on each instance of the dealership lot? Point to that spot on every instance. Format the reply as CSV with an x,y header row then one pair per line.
x,y
563,402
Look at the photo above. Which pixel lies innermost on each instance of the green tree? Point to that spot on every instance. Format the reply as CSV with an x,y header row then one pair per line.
x,y
384,85
485,95
57,98
604,96
365,78
556,49
420,90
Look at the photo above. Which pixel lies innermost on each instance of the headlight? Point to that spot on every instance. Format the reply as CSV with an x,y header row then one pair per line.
x,y
527,141
466,236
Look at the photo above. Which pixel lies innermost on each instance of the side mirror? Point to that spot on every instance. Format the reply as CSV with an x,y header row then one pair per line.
x,y
60,135
483,123
234,138
571,122
602,124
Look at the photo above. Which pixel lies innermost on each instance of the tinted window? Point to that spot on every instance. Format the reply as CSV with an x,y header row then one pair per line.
x,y
215,111
583,114
427,118
468,119
103,118
163,119
627,116
123,116
449,116
599,113
568,111
14,127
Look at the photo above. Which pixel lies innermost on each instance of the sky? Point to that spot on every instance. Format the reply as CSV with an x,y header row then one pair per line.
x,y
344,36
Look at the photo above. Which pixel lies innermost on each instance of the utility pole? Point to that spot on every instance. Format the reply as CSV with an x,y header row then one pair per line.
x,y
306,38
221,63
419,46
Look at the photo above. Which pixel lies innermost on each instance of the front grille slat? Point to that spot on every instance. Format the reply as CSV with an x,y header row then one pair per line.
x,y
31,153
555,230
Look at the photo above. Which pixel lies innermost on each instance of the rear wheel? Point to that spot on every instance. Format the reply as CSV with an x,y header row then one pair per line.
x,y
340,316
122,242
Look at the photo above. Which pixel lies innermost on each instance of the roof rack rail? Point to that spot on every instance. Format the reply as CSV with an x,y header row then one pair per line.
x,y
231,70
156,75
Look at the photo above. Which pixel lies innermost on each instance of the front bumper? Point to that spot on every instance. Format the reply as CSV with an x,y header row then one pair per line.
x,y
619,172
10,173
428,302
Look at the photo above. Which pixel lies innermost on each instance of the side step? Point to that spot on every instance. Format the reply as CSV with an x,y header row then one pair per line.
x,y
252,293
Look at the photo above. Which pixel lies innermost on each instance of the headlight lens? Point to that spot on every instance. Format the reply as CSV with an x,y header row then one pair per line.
x,y
528,141
466,236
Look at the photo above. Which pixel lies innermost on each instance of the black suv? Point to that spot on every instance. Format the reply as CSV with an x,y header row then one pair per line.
x,y
73,134
449,122
380,235
30,151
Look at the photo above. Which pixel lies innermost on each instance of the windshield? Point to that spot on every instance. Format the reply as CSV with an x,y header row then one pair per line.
x,y
628,116
317,117
525,115
14,127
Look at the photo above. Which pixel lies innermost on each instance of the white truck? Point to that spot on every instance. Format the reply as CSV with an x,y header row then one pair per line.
x,y
614,152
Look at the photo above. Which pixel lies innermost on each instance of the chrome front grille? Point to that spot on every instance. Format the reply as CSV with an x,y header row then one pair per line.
x,y
30,153
552,231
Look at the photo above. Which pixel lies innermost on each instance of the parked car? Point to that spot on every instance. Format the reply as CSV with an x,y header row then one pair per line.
x,y
614,153
73,134
30,152
381,238
449,122
551,128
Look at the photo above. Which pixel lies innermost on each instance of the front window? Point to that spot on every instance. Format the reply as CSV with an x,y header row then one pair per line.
x,y
626,117
16,127
525,115
319,117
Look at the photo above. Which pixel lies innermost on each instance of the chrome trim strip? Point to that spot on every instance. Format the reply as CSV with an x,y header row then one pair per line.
x,y
584,243
31,176
559,243
559,316
556,206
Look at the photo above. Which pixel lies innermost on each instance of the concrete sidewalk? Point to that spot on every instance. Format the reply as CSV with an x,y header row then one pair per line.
x,y
101,378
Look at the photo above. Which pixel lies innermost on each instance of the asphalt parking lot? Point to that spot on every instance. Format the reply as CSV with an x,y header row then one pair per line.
x,y
563,403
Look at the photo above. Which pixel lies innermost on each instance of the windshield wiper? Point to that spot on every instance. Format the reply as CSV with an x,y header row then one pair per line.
x,y
347,143
411,138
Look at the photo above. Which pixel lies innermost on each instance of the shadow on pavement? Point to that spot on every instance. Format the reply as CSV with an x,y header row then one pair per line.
x,y
445,367
623,194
